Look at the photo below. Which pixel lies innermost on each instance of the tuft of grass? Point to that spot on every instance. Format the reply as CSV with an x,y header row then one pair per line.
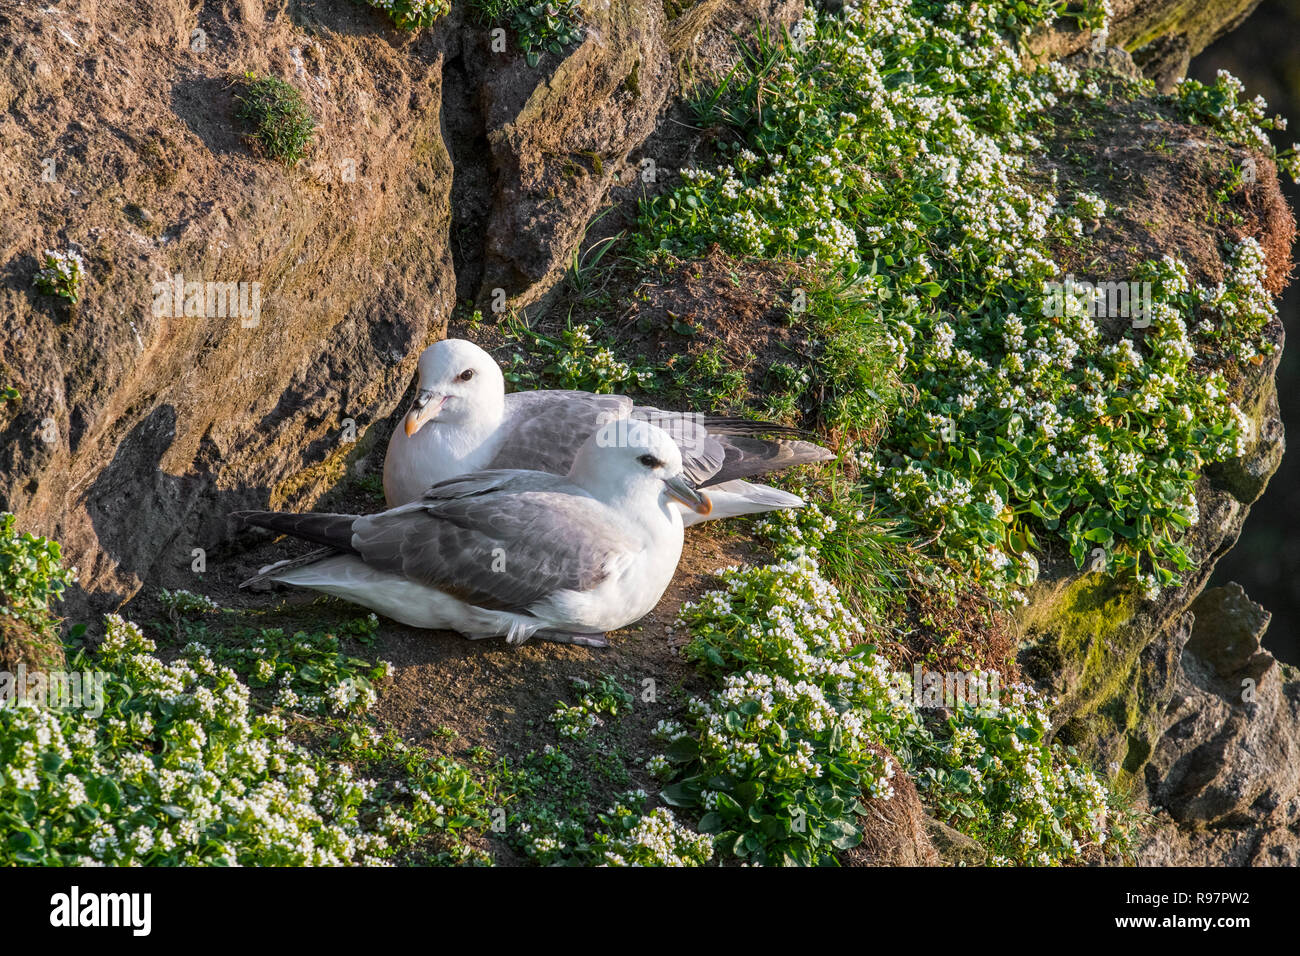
x,y
489,12
279,122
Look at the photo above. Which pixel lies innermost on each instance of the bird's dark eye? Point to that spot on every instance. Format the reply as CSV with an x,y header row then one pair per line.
x,y
650,461
466,375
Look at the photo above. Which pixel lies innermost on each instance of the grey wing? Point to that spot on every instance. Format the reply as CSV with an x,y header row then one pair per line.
x,y
715,449
476,483
747,456
501,550
546,428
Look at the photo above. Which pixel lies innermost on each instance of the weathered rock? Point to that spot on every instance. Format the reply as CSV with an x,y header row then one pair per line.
x,y
558,144
561,139
1223,775
954,847
1162,35
137,431
1109,58
1232,739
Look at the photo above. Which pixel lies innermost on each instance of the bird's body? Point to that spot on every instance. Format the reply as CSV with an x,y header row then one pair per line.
x,y
462,420
510,552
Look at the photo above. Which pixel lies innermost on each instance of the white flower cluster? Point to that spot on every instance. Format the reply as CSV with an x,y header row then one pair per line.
x,y
577,720
1090,205
655,839
805,682
233,787
61,273
185,602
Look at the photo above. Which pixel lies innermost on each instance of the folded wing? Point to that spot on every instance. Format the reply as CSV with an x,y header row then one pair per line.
x,y
546,429
499,540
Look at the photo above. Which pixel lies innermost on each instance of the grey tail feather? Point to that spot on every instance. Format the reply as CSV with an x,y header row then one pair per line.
x,y
749,457
331,530
272,570
730,425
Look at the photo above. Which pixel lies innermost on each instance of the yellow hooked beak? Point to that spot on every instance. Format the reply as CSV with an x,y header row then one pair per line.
x,y
424,410
679,489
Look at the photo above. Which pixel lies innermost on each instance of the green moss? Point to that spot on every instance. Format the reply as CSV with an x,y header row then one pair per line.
x,y
1086,641
1083,643
1083,613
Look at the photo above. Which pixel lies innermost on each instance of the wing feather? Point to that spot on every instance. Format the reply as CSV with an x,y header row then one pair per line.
x,y
502,550
546,428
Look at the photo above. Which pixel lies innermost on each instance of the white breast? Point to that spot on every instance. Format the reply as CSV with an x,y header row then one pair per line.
x,y
631,591
435,453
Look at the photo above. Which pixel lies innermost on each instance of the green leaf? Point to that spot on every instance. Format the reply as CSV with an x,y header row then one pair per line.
x,y
712,822
678,795
682,750
749,791
841,834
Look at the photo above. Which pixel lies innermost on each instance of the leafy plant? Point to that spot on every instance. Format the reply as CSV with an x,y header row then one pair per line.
x,y
633,835
1218,106
905,174
179,769
309,671
413,14
547,26
573,360
61,274
31,576
781,755
605,697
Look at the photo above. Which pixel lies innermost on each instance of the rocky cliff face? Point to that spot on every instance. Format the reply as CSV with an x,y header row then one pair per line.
x,y
441,168
446,170
132,437
1223,774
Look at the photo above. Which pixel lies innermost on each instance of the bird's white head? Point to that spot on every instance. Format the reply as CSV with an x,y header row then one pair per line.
x,y
634,461
459,384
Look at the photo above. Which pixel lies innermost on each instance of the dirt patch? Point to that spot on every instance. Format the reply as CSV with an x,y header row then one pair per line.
x,y
893,830
720,317
970,633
